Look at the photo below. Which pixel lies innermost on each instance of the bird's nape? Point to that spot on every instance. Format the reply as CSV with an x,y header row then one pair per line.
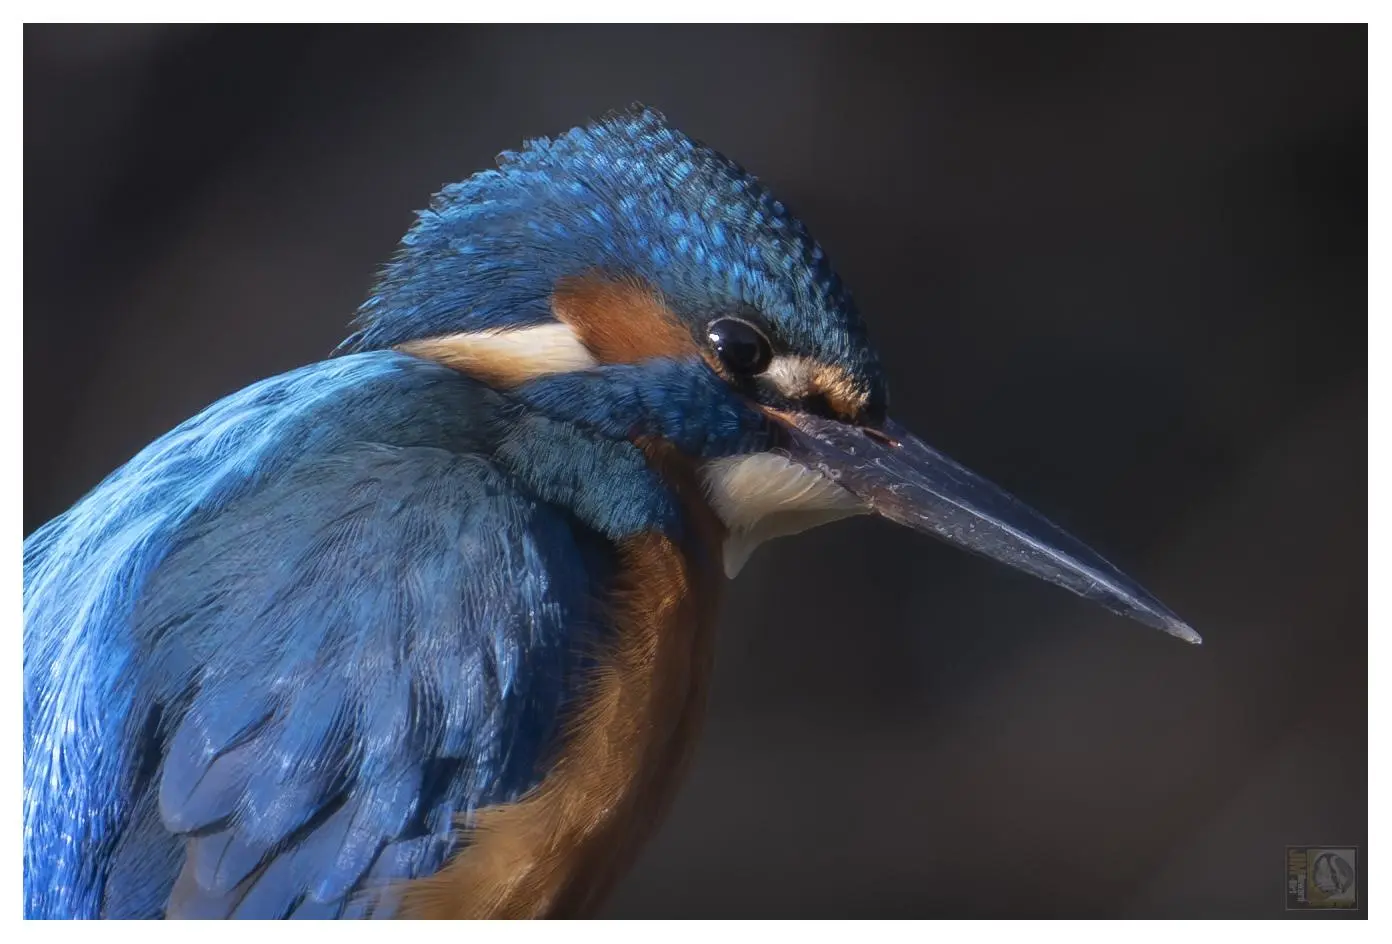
x,y
901,478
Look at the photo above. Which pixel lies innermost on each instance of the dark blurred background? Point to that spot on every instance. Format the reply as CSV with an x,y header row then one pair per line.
x,y
1122,272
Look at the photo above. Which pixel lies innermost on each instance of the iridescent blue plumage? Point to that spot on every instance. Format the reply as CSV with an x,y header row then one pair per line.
x,y
270,659
276,661
272,600
319,620
631,196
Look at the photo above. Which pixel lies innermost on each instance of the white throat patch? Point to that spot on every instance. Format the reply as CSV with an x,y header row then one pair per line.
x,y
764,496
758,497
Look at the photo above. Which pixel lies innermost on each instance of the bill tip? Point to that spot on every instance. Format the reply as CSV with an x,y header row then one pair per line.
x,y
1185,632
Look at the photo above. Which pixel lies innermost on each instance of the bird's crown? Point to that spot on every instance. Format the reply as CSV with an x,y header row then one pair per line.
x,y
625,197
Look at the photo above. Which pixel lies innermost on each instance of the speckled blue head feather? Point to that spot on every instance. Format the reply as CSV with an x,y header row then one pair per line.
x,y
628,195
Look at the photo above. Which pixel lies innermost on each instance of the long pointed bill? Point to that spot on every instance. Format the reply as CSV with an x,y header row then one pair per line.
x,y
903,479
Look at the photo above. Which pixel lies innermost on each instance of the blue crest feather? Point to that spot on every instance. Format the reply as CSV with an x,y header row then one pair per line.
x,y
628,194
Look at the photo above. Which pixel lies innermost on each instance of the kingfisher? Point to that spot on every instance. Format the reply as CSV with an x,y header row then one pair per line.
x,y
424,629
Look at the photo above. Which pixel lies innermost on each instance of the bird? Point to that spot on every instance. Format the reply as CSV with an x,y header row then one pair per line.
x,y
424,629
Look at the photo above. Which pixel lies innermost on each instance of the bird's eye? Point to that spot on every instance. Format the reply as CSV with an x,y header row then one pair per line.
x,y
740,346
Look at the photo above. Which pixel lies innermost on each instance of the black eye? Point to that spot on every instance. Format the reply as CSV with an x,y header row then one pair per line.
x,y
740,346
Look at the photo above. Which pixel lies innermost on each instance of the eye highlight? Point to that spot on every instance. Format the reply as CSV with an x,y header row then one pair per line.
x,y
741,347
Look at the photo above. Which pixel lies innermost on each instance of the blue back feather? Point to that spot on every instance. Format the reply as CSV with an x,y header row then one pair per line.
x,y
272,660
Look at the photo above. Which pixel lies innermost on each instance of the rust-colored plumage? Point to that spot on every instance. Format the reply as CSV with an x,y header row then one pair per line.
x,y
558,850
621,321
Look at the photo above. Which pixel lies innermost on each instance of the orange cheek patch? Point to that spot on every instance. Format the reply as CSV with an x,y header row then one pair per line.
x,y
621,320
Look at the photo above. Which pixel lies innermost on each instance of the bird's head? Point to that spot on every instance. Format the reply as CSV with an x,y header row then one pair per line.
x,y
627,243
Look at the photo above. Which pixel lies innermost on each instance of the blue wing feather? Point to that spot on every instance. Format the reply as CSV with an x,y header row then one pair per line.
x,y
270,661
